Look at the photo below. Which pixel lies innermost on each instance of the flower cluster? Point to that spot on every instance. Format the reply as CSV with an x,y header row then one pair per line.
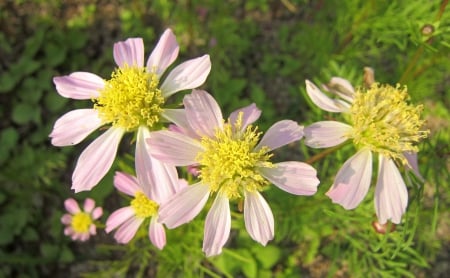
x,y
230,159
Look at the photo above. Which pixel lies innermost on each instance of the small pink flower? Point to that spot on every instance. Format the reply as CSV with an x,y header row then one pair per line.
x,y
80,223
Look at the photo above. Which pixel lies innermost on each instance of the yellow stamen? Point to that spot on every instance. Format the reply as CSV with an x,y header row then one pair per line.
x,y
143,207
81,222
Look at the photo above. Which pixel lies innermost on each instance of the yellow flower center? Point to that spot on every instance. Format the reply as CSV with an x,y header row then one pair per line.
x,y
143,207
228,164
81,222
130,98
385,123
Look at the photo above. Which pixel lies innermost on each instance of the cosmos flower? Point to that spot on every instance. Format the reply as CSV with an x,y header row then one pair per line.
x,y
379,120
128,219
80,223
131,101
233,164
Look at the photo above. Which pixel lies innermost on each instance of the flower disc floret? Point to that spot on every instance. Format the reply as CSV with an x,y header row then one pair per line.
x,y
130,98
143,207
81,222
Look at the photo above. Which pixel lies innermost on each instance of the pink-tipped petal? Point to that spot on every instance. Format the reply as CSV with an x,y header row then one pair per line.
x,y
326,134
74,126
258,217
188,75
322,100
71,206
126,183
119,217
95,161
127,231
281,133
250,114
413,165
66,219
79,85
391,195
97,213
157,234
353,180
217,226
203,113
294,177
129,53
89,205
164,53
184,206
174,148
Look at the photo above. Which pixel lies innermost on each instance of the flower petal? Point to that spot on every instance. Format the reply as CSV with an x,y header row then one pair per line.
x,y
127,231
79,85
258,217
157,233
322,100
281,133
74,126
119,217
126,183
97,213
203,113
184,206
188,75
341,87
294,177
353,180
164,53
250,114
391,195
89,205
174,148
129,52
71,206
217,226
66,219
411,157
95,161
326,134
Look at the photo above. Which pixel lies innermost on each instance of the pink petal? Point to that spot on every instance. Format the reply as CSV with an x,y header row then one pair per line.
x,y
127,231
157,233
129,52
413,165
66,219
341,87
184,206
326,134
71,206
165,52
178,117
294,177
217,226
89,205
258,217
188,75
119,217
203,113
126,183
95,161
97,213
322,100
79,85
92,229
174,148
74,126
250,114
281,133
391,195
68,231
353,180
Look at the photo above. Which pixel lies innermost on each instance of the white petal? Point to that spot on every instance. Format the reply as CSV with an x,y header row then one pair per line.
x,y
184,206
250,114
391,195
326,134
126,183
217,226
164,53
95,161
281,133
341,87
188,75
129,52
322,100
74,126
157,233
413,165
294,177
353,180
258,217
79,85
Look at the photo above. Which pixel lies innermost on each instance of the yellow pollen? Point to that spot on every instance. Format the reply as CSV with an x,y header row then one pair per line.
x,y
384,122
229,162
130,98
143,207
81,222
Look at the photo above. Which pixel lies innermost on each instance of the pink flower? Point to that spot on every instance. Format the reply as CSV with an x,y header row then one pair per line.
x,y
234,164
144,206
80,224
379,121
131,101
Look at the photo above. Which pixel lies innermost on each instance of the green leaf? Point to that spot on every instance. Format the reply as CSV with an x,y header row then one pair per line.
x,y
23,113
8,140
268,256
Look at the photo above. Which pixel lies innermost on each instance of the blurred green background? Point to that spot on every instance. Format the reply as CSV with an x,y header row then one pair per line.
x,y
261,52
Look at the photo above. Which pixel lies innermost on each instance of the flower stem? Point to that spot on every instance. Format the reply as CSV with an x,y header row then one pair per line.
x,y
321,155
